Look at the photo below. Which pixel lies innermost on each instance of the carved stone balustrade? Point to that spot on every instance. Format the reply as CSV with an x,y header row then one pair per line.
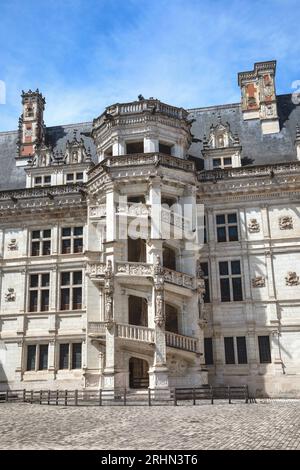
x,y
95,270
96,329
178,278
174,340
136,333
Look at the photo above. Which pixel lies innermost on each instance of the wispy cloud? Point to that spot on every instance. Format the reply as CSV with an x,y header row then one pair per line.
x,y
84,55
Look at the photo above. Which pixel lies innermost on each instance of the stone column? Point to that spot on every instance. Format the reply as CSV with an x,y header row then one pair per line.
x,y
109,370
20,366
110,216
51,359
155,201
151,143
158,373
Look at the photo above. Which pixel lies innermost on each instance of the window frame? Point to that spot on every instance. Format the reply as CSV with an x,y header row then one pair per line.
x,y
39,288
226,226
70,356
231,277
72,238
70,287
41,240
37,359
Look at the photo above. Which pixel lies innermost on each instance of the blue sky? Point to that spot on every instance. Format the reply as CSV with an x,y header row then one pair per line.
x,y
86,54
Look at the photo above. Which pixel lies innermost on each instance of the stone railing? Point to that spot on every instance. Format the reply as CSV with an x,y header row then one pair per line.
x,y
181,342
134,209
178,278
147,105
96,212
95,269
134,269
96,328
134,332
148,159
248,171
170,217
38,193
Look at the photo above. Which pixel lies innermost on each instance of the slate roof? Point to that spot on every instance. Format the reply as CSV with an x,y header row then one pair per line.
x,y
256,147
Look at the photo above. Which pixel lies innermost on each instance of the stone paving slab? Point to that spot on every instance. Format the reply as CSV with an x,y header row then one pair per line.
x,y
271,424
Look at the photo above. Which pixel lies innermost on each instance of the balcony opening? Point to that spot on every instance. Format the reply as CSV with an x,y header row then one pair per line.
x,y
136,250
138,373
137,311
134,147
169,258
140,199
168,201
108,152
165,148
171,318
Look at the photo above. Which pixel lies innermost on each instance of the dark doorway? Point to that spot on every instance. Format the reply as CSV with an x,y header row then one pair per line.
x,y
136,250
171,318
138,373
169,258
137,311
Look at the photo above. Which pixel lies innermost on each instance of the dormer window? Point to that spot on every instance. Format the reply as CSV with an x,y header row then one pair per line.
x,y
72,178
29,112
222,162
42,181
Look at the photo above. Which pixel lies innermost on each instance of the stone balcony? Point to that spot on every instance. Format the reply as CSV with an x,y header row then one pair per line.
x,y
143,334
97,271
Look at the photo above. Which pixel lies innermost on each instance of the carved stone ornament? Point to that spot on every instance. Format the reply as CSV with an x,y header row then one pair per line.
x,y
10,296
286,223
292,279
258,281
253,226
108,292
12,246
158,278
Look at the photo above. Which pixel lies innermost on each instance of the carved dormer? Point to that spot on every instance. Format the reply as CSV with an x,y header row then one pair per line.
x,y
76,151
43,157
222,148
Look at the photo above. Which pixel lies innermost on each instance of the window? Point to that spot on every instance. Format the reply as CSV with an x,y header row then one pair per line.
x,y
208,351
241,349
222,162
72,178
235,348
40,181
39,292
227,230
71,290
204,269
229,350
230,281
70,355
72,240
37,357
205,231
134,147
164,148
264,349
40,242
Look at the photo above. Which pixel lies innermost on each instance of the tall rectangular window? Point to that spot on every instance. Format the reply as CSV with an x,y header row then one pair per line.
x,y
264,349
71,290
227,229
72,240
241,349
43,356
37,357
229,350
39,292
64,356
204,269
31,356
70,355
230,281
41,242
76,356
208,351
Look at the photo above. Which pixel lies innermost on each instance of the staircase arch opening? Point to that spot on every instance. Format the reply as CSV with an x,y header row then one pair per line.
x,y
171,318
138,373
137,311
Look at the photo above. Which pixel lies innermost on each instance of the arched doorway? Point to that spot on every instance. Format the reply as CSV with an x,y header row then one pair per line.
x,y
138,373
171,318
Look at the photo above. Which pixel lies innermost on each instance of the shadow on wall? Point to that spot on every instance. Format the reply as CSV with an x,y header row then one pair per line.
x,y
3,377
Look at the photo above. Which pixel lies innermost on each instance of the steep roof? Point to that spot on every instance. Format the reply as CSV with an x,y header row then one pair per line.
x,y
256,147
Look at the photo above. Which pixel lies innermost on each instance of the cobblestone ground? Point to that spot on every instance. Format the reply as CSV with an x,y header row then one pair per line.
x,y
265,425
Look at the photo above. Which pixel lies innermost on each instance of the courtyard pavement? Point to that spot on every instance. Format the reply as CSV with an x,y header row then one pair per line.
x,y
265,425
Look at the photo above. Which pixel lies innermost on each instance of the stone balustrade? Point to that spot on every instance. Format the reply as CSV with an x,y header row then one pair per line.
x,y
95,269
134,209
178,278
97,212
96,328
181,342
134,332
